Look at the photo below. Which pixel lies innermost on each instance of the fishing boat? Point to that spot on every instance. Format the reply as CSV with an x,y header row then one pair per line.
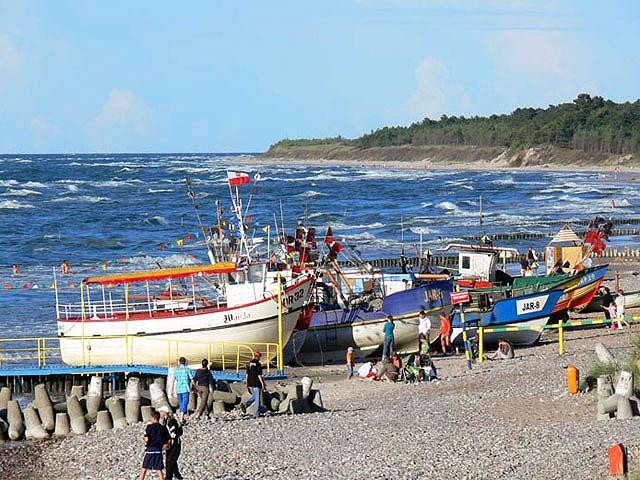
x,y
529,312
354,318
239,307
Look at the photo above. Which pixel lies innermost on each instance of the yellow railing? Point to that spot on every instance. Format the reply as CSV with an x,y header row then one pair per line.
x,y
135,349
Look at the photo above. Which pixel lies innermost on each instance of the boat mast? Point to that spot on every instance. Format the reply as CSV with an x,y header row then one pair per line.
x,y
191,194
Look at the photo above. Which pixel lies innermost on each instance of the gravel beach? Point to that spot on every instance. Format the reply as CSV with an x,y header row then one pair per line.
x,y
506,419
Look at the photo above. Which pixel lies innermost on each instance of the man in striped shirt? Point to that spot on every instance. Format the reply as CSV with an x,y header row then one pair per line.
x,y
183,381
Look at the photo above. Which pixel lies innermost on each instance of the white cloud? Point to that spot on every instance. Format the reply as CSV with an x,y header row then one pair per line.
x,y
122,120
436,92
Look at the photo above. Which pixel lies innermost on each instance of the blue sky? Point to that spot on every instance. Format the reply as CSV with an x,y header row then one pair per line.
x,y
214,76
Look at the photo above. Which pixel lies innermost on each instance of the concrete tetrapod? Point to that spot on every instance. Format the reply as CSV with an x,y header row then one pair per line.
x,y
146,411
116,409
14,417
62,425
158,397
3,428
34,429
218,407
44,406
229,398
603,353
103,421
77,390
94,398
76,415
132,400
170,388
5,396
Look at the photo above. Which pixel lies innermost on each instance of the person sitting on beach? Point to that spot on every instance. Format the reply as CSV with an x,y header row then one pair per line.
x,y
64,268
504,351
368,369
156,439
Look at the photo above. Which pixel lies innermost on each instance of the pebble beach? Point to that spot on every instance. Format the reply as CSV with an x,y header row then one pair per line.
x,y
502,419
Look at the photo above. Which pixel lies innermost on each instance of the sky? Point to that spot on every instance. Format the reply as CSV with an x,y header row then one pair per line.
x,y
236,76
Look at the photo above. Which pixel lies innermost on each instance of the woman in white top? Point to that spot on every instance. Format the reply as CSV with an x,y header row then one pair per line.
x,y
620,309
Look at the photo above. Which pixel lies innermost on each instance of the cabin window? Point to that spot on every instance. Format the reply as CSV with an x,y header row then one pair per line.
x,y
466,262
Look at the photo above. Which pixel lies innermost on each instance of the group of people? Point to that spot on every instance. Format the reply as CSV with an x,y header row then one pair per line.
x,y
529,263
162,434
64,268
614,308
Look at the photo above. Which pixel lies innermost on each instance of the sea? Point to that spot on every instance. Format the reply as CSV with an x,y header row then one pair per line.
x,y
114,213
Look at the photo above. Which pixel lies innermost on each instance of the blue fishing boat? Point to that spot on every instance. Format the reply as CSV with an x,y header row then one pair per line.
x,y
356,321
531,311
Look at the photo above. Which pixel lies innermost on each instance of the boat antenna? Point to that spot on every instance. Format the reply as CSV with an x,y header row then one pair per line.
x,y
191,194
281,216
481,216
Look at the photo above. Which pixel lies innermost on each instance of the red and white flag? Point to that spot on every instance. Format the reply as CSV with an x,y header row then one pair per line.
x,y
237,178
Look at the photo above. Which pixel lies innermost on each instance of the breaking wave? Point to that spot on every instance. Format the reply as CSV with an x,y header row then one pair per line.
x,y
13,205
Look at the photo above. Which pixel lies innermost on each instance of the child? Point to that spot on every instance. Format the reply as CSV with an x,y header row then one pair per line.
x,y
156,437
350,363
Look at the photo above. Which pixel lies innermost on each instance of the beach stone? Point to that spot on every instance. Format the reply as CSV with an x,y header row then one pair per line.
x,y
44,406
132,400
146,411
226,397
219,407
15,420
603,353
34,429
63,426
116,409
76,415
103,421
624,410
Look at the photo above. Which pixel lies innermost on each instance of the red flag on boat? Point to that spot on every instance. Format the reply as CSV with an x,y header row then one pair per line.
x,y
237,178
595,239
328,237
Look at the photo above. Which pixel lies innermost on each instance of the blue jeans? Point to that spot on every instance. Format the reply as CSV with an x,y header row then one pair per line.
x,y
183,401
255,399
349,371
387,347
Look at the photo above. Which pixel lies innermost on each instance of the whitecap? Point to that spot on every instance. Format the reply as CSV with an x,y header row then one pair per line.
x,y
157,220
72,188
80,198
34,185
504,181
20,192
343,226
13,205
159,190
312,193
423,230
8,183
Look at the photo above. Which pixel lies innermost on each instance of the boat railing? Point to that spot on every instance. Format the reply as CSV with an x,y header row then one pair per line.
x,y
46,351
110,310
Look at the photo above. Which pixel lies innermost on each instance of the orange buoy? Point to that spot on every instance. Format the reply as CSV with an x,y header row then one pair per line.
x,y
572,379
617,461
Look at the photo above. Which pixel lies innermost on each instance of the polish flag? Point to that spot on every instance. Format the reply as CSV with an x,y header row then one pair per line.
x,y
237,178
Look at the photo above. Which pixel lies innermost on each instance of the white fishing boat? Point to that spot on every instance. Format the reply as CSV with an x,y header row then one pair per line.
x,y
141,327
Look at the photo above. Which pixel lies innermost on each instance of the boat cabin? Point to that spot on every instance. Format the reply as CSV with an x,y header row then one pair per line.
x,y
480,262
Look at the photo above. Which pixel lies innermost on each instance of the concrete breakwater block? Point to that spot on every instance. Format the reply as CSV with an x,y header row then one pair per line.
x,y
132,400
5,396
624,410
76,415
193,401
63,426
237,387
145,411
77,390
94,398
34,429
116,409
603,353
44,407
16,422
158,397
170,388
624,385
103,421
229,398
219,407
3,429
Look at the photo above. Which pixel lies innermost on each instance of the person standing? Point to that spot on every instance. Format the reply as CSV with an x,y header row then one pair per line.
x,y
388,346
255,384
607,300
64,268
445,333
156,438
350,363
424,329
173,452
620,309
203,379
15,270
183,381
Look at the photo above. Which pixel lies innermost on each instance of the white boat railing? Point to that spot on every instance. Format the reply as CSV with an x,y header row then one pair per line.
x,y
101,310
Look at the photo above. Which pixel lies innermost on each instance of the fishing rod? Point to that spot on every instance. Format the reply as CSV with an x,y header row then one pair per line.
x,y
191,194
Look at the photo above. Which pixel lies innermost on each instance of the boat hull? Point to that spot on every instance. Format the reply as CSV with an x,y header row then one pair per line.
x,y
226,332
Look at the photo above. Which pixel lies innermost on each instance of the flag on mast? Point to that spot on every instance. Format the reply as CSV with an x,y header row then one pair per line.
x,y
237,178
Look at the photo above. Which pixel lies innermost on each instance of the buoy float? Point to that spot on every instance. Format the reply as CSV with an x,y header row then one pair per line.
x,y
572,379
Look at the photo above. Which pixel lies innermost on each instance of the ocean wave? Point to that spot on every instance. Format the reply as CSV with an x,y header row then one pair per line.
x,y
423,230
157,220
13,205
312,193
159,190
80,198
114,183
504,181
34,185
344,226
20,192
72,188
8,183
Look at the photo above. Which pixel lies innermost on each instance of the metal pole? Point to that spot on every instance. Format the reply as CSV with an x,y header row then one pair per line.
x,y
104,302
126,322
82,319
465,339
280,346
148,299
55,287
560,338
480,344
193,292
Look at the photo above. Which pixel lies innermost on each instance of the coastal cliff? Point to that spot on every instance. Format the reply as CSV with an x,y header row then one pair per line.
x,y
452,155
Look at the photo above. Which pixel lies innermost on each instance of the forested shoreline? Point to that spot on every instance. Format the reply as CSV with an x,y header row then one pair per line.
x,y
590,124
